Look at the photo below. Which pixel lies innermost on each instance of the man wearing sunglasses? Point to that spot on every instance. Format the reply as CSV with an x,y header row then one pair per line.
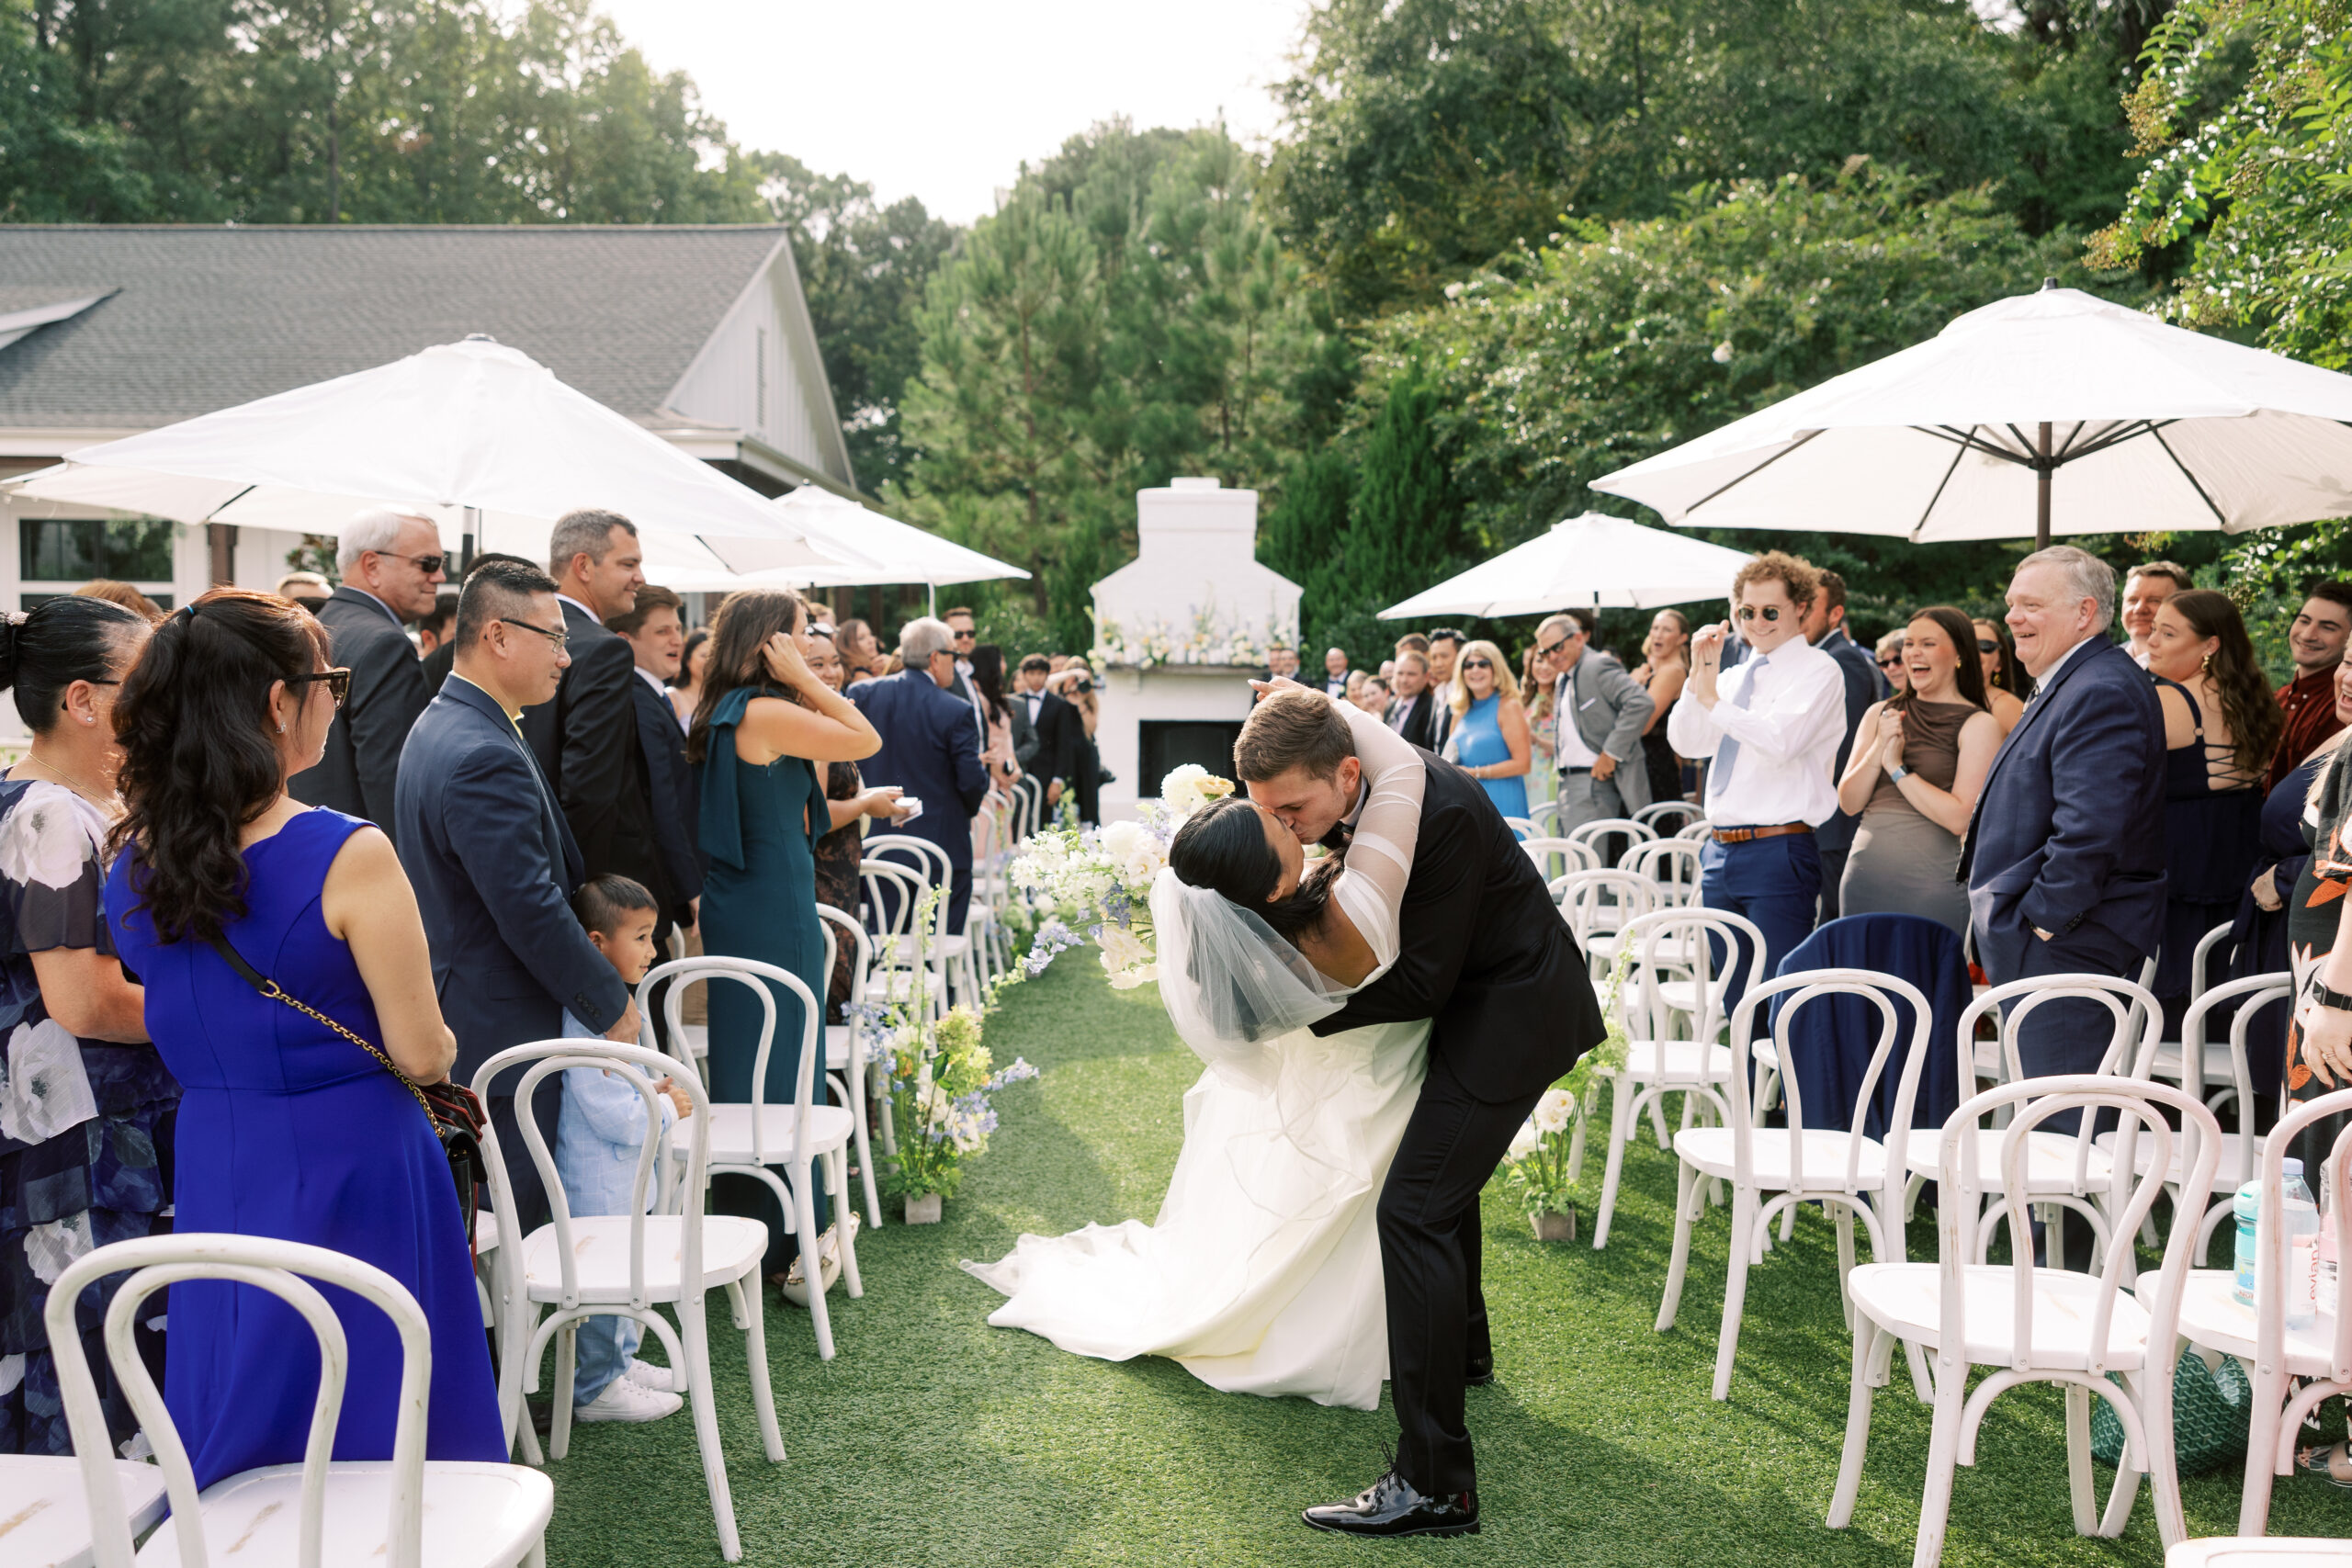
x,y
390,562
1771,728
1600,714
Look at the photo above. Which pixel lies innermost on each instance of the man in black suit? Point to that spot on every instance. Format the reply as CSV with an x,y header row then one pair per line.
x,y
1825,627
586,738
931,750
1335,671
1445,646
960,628
656,634
1414,713
1486,958
391,563
493,864
1046,731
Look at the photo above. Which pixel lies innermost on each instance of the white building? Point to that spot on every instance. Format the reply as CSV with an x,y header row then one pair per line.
x,y
1179,631
699,333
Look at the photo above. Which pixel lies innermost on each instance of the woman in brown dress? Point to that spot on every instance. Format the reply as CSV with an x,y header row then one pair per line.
x,y
1919,760
838,852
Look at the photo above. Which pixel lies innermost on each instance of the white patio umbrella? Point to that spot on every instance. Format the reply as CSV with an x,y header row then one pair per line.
x,y
2054,413
900,552
1606,563
478,435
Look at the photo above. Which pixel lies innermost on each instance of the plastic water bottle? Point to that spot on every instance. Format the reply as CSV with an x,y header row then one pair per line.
x,y
2300,1216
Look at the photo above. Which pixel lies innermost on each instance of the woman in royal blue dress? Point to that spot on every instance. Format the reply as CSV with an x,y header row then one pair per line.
x,y
1492,742
288,1130
765,723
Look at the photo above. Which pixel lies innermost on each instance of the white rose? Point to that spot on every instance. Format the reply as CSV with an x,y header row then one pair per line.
x,y
1182,789
1555,1110
1119,839
1122,949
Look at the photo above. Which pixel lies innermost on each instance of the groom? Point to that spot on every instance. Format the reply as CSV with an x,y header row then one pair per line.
x,y
1486,957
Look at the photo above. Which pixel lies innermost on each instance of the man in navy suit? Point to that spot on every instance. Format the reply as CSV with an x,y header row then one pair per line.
x,y
2064,862
656,634
391,563
931,748
492,861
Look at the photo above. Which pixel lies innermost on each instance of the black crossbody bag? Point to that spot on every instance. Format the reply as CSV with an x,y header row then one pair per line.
x,y
454,1111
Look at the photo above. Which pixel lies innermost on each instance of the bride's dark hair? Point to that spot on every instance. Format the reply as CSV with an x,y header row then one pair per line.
x,y
1223,847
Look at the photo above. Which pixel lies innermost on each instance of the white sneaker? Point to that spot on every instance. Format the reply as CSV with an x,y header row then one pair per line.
x,y
645,1374
622,1400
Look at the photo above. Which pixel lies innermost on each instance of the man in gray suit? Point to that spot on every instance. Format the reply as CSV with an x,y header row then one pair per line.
x,y
390,564
1599,713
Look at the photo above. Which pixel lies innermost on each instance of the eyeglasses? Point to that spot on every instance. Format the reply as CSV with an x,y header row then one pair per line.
x,y
1547,652
338,683
425,564
1477,664
964,636
558,639
1986,644
1894,663
1749,612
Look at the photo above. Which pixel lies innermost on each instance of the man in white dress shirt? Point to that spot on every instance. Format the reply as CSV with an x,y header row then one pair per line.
x,y
1772,727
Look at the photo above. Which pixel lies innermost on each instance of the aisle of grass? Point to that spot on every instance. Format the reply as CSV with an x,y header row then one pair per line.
x,y
933,1439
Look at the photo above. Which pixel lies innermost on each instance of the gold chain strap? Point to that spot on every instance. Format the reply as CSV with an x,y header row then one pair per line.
x,y
276,994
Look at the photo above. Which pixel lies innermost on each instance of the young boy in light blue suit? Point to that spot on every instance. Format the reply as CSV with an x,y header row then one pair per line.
x,y
598,1135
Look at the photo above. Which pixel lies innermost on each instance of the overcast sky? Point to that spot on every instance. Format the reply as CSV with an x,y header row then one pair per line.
x,y
943,99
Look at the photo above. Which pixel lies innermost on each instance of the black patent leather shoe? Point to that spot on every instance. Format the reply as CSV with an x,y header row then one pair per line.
x,y
1478,1372
1390,1507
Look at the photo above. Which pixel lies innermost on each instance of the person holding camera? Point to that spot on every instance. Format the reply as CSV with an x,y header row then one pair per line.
x,y
1086,776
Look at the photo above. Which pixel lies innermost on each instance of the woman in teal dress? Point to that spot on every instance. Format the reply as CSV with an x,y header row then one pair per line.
x,y
1491,739
765,723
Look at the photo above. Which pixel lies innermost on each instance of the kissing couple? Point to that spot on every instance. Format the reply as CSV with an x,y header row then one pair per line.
x,y
1377,1024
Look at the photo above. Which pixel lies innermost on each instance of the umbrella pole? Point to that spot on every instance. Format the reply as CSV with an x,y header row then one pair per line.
x,y
466,542
2041,471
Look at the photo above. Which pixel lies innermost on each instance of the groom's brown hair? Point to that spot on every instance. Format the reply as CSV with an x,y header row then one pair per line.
x,y
1291,729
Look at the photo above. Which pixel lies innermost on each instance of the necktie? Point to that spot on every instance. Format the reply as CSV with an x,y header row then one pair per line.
x,y
1727,754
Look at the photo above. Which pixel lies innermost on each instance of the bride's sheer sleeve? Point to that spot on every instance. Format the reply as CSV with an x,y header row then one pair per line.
x,y
1371,888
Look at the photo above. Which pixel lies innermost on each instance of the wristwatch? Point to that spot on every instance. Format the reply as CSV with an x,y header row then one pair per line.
x,y
1898,772
2318,991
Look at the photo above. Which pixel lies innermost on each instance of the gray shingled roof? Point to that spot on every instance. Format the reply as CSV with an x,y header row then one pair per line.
x,y
208,318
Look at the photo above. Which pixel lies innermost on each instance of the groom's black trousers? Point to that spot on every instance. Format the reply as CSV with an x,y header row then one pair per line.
x,y
1429,1260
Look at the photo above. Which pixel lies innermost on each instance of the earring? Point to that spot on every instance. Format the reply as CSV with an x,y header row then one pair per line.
x,y
2206,664
281,729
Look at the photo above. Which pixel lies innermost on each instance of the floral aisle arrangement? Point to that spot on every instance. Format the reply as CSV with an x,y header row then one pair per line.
x,y
1536,1167
1210,639
1097,880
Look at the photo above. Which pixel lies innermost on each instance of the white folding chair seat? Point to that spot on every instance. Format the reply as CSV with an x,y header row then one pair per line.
x,y
403,1512
45,1508
731,1243
2271,1552
2213,1318
735,1130
1905,1299
1710,1149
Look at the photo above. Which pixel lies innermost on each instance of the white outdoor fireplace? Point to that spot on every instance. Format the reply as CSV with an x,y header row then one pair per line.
x,y
1178,633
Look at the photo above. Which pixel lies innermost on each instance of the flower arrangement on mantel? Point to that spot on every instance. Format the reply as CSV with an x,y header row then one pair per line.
x,y
1536,1166
1210,641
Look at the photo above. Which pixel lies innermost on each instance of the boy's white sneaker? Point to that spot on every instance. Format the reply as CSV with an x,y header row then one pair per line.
x,y
622,1400
645,1374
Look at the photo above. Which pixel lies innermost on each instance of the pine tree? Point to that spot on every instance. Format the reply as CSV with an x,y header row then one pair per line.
x,y
1403,526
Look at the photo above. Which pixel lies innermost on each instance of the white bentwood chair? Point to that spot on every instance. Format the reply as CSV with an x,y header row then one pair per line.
x,y
626,1265
848,1052
2032,1324
403,1512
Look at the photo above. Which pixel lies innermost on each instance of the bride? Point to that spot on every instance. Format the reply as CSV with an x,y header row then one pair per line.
x,y
1261,1274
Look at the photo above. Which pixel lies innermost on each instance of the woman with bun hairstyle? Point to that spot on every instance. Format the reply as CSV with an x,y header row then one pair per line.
x,y
86,1105
292,1129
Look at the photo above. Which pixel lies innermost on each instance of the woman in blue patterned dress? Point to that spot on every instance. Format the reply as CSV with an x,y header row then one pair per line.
x,y
86,1104
1491,736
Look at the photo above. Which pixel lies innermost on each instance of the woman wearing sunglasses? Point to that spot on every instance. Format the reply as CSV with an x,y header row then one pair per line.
x,y
2006,685
1491,739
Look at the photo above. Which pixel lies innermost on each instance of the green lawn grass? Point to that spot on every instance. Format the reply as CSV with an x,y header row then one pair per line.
x,y
935,1439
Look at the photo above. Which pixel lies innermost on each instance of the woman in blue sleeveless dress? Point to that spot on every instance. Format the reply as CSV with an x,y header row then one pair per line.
x,y
1491,737
764,721
288,1129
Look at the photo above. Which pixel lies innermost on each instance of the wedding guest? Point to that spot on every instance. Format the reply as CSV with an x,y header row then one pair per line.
x,y
1049,756
444,656
1919,762
493,862
433,626
694,667
1825,627
1087,704
1412,642
1387,672
1445,646
2221,727
765,723
307,589
1414,713
1664,667
1888,656
1335,672
1355,681
848,804
391,563
1490,726
997,747
2064,855
2008,684
2145,586
1372,695
2321,628
122,593
1603,711
1771,727
2319,1038
656,638
85,1137
861,650
932,750
223,884
1535,696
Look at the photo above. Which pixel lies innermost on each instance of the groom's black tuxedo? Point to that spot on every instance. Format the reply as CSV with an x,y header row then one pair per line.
x,y
1486,957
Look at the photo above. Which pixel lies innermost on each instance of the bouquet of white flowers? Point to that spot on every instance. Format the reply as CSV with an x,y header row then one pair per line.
x,y
1099,880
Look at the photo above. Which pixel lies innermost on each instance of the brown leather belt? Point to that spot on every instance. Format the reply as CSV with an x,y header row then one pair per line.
x,y
1741,835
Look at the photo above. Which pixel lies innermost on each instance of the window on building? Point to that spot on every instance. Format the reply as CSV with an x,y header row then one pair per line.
x,y
74,551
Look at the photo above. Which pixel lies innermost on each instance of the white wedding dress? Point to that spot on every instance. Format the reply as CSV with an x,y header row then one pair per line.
x,y
1261,1274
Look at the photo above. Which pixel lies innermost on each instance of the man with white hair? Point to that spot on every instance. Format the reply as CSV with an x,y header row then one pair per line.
x,y
931,749
390,562
2064,860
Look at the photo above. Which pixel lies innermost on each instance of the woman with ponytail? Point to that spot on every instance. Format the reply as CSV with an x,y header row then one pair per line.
x,y
85,1103
294,1129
